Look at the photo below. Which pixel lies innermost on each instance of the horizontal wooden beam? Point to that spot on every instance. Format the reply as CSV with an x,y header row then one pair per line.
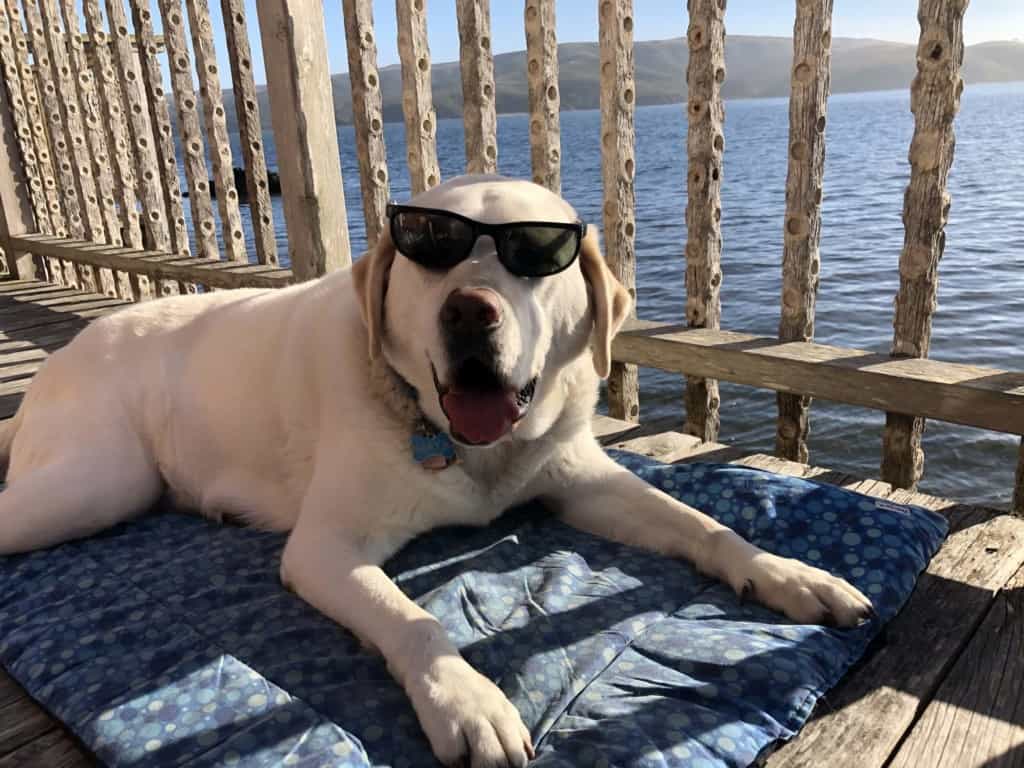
x,y
160,266
963,394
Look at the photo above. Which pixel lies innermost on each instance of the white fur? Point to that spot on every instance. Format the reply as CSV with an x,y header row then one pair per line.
x,y
269,405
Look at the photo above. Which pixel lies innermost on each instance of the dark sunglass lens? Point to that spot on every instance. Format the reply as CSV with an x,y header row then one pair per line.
x,y
536,250
433,240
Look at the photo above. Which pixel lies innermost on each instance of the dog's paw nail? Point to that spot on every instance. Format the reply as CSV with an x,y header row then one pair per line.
x,y
747,592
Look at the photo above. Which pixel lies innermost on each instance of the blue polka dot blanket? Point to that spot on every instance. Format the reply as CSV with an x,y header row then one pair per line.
x,y
170,641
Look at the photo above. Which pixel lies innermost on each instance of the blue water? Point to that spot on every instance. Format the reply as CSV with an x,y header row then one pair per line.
x,y
981,289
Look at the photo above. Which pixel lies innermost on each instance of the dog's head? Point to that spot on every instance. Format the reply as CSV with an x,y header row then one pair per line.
x,y
487,350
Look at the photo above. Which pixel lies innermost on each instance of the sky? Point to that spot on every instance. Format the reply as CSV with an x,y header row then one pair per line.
x,y
894,20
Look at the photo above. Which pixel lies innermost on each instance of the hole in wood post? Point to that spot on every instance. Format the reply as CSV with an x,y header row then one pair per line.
x,y
485,42
491,152
427,126
719,142
175,18
819,126
418,5
531,12
826,38
936,52
371,80
718,214
796,226
381,175
219,111
245,63
375,125
534,66
488,90
182,63
239,18
431,180
627,95
154,216
802,73
212,69
552,93
799,150
714,173
189,104
368,37
423,64
629,167
696,36
250,104
695,108
627,23
629,228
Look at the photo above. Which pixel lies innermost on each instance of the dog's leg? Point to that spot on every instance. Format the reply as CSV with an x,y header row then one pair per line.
x,y
597,495
81,487
464,715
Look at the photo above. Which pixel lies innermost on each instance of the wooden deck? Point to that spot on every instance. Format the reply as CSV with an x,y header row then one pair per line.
x,y
942,688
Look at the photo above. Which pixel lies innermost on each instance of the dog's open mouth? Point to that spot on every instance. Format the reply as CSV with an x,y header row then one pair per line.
x,y
481,408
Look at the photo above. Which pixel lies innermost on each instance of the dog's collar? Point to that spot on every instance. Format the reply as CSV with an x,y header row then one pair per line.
x,y
431,447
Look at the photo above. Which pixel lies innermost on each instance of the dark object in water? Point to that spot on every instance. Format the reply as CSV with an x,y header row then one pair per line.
x,y
273,185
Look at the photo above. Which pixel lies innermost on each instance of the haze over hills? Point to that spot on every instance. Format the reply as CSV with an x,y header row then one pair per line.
x,y
757,66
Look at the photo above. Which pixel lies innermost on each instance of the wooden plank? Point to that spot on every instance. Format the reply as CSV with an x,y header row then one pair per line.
x,y
160,266
305,136
232,236
417,99
21,722
476,65
190,132
977,716
861,721
367,115
49,336
250,130
801,260
962,394
114,124
52,749
542,94
618,99
163,141
934,100
705,142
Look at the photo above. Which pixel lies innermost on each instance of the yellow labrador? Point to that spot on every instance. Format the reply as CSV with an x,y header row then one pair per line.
x,y
299,410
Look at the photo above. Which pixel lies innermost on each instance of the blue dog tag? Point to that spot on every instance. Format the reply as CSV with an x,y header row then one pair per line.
x,y
434,451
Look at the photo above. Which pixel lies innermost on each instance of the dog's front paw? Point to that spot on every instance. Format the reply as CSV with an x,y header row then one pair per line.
x,y
802,592
467,719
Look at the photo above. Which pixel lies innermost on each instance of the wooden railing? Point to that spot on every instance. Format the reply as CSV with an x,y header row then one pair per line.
x,y
90,191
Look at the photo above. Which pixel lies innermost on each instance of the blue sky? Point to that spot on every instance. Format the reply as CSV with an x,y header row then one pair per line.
x,y
658,19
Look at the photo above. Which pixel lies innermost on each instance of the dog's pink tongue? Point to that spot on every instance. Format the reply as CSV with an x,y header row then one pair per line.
x,y
480,417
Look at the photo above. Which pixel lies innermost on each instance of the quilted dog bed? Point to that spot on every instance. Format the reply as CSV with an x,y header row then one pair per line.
x,y
169,640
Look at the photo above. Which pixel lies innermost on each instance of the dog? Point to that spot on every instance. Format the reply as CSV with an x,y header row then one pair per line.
x,y
451,373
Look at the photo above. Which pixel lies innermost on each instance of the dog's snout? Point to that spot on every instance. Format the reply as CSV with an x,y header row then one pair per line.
x,y
470,311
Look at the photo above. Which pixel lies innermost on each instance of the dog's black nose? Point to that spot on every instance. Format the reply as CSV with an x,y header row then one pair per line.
x,y
470,311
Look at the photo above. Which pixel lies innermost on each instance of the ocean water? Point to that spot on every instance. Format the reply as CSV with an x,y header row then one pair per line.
x,y
981,288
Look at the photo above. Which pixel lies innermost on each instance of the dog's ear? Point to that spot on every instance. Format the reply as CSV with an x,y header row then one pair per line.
x,y
611,302
370,277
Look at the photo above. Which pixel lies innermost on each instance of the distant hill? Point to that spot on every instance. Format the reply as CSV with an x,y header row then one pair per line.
x,y
756,67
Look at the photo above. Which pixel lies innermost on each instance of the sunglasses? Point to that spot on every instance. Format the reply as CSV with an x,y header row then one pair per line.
x,y
438,240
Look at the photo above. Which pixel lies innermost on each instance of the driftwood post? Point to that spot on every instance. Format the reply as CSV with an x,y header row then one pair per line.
x,y
934,100
250,130
15,201
618,98
477,67
417,98
367,114
801,259
302,113
232,236
1017,506
705,142
542,90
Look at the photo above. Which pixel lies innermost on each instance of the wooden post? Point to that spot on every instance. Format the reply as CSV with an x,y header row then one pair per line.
x,y
618,99
19,125
302,113
705,142
367,114
477,67
801,259
250,130
114,121
542,90
15,199
155,224
934,100
93,121
163,140
216,130
1017,506
190,131
417,100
